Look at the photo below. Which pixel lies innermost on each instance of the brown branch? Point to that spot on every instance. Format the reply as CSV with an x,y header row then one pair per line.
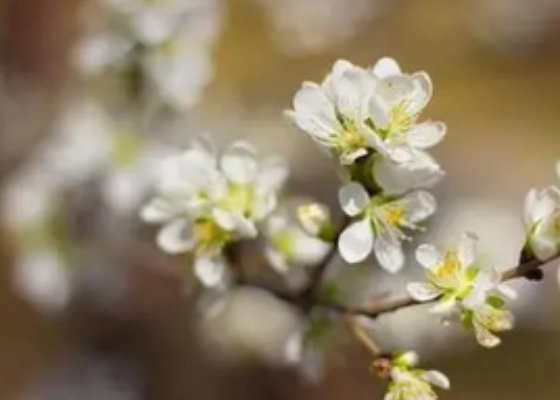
x,y
524,270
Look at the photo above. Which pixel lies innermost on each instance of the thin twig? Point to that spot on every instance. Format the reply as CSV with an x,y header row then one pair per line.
x,y
520,271
362,336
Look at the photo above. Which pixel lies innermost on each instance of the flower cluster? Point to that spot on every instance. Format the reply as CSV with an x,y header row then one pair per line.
x,y
462,287
369,120
206,201
167,44
406,381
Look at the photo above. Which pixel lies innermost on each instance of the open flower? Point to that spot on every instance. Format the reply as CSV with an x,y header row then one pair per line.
x,y
398,100
205,202
463,288
406,382
380,223
355,111
289,246
334,112
484,308
542,219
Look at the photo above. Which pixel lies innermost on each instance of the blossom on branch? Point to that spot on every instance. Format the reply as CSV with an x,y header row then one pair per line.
x,y
356,111
380,223
406,381
206,201
462,287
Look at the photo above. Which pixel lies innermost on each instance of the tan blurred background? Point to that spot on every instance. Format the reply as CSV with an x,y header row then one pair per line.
x,y
497,86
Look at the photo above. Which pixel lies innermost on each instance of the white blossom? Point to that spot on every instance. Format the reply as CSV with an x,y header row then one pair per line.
x,y
542,220
334,113
153,21
89,144
462,287
289,246
398,100
379,224
206,201
42,278
410,383
169,41
311,26
355,111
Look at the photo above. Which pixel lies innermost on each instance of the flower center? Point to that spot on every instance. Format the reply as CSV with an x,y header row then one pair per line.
x,y
210,237
350,138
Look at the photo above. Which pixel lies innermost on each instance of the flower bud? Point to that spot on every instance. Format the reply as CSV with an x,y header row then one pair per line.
x,y
315,219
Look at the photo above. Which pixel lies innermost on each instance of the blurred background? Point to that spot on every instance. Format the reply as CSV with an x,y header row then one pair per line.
x,y
121,320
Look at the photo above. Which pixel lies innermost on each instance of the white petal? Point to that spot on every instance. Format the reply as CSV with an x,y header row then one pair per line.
x,y
484,337
176,237
386,67
356,242
277,260
507,291
466,251
41,277
210,271
544,248
444,307
389,253
353,198
422,94
436,378
422,291
273,174
428,255
421,205
543,204
426,134
157,211
398,178
530,204
239,163
314,112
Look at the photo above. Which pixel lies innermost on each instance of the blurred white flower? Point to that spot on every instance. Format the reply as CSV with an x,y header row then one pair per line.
x,y
302,26
289,247
170,41
380,223
90,144
29,196
205,201
410,383
178,70
462,287
155,21
542,220
42,278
